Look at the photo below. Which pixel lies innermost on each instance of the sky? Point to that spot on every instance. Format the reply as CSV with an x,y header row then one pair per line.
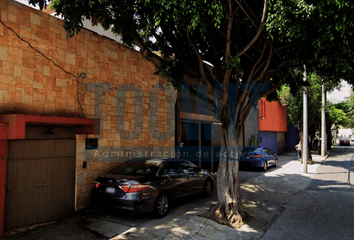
x,y
337,96
86,23
25,2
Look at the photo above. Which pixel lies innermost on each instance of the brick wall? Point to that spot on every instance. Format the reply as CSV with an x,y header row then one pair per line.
x,y
40,74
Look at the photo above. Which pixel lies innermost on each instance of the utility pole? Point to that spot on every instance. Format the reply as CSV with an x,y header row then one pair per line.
x,y
305,138
323,122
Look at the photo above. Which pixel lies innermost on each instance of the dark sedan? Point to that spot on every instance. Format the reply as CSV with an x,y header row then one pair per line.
x,y
258,156
150,185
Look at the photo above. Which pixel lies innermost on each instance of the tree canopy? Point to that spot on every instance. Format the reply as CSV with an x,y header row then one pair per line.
x,y
252,41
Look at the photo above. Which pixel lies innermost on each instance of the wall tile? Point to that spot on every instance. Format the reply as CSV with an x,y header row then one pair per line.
x,y
33,84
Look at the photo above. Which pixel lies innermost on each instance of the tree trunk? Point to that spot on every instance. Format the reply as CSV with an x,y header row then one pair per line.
x,y
329,138
228,210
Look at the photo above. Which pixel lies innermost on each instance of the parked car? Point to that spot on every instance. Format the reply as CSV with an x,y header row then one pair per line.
x,y
151,185
258,156
344,141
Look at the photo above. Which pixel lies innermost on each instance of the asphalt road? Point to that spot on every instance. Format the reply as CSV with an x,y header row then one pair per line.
x,y
336,173
324,210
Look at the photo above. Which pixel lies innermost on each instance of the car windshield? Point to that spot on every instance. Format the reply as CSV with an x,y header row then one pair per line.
x,y
135,167
255,150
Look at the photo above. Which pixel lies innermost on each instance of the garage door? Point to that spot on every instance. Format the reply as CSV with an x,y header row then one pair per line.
x,y
268,139
40,177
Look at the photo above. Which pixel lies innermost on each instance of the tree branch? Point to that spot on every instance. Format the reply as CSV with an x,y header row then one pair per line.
x,y
260,29
223,37
200,59
227,74
286,46
146,52
250,76
267,64
245,112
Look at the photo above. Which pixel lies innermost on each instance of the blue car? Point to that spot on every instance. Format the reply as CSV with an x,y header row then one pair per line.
x,y
258,156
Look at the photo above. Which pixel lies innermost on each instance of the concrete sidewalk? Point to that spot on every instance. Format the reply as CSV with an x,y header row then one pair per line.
x,y
265,195
324,210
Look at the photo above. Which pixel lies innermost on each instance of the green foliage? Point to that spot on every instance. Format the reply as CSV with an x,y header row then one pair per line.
x,y
172,72
322,34
350,112
345,117
293,101
337,115
234,62
254,141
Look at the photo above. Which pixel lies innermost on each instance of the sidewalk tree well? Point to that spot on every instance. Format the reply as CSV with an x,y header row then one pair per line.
x,y
244,41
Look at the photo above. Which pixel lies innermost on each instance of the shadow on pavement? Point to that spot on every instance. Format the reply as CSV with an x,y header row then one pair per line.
x,y
265,196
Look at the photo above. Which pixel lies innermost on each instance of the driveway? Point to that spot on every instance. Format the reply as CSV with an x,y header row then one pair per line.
x,y
94,223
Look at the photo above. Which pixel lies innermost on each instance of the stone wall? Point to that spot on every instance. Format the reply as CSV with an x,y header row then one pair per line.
x,y
41,73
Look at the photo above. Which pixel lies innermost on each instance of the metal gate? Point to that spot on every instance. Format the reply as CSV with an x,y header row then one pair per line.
x,y
40,177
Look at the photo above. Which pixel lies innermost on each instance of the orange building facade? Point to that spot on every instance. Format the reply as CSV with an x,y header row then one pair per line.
x,y
272,116
272,126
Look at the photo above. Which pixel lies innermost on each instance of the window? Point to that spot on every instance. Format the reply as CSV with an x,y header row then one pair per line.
x,y
91,143
267,151
189,167
255,150
137,167
163,171
174,168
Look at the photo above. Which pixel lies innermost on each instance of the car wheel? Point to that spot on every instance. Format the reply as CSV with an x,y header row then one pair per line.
x,y
265,167
276,164
208,188
161,206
